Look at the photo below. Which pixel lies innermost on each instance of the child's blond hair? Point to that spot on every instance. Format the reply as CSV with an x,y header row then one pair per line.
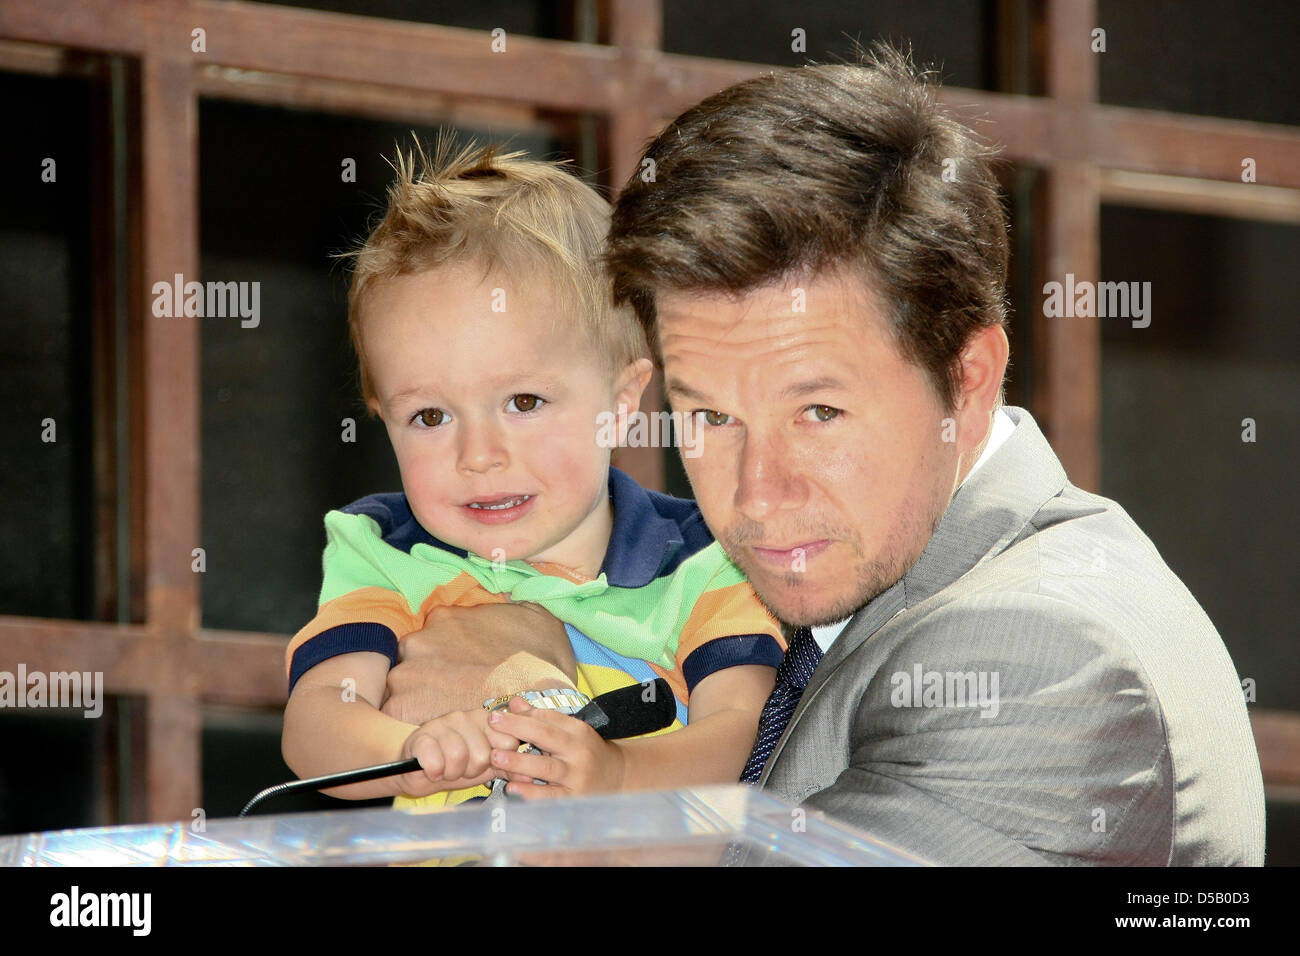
x,y
525,218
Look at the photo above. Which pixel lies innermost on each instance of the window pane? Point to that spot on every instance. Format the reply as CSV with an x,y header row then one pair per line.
x,y
952,35
46,543
1203,56
1222,347
536,18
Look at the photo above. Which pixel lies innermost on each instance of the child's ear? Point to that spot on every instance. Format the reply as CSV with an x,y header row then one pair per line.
x,y
630,384
375,408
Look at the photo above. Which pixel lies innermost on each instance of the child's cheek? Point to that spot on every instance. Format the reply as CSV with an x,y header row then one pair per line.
x,y
422,483
579,465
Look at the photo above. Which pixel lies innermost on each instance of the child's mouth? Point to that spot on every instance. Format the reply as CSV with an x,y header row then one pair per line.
x,y
499,510
500,504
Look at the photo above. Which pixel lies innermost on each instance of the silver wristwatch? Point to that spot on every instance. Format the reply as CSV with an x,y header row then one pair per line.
x,y
563,701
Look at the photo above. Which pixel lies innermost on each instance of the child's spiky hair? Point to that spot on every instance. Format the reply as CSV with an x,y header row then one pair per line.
x,y
525,218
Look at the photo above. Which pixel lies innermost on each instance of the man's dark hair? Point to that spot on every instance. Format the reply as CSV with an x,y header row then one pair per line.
x,y
809,169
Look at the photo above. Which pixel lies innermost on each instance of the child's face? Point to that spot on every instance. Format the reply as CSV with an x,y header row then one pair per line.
x,y
494,414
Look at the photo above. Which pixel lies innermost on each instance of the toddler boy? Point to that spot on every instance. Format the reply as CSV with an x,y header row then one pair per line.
x,y
489,347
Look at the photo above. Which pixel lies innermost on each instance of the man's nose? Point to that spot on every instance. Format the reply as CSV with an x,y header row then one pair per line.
x,y
481,447
766,482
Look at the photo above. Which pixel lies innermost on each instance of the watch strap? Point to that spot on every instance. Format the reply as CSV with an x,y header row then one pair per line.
x,y
564,701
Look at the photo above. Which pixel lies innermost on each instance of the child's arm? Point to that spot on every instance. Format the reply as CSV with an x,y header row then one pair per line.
x,y
711,748
330,725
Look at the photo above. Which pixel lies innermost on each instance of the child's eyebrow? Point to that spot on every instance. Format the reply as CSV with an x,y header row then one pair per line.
x,y
518,381
407,393
523,381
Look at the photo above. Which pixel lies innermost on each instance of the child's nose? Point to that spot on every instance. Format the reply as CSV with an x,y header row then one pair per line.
x,y
482,448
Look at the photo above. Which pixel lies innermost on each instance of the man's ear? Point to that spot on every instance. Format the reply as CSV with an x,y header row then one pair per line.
x,y
630,384
983,365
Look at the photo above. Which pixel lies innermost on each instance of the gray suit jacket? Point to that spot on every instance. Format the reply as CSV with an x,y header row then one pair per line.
x,y
1038,688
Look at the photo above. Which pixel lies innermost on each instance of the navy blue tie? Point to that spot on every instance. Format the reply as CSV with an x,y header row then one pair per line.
x,y
792,677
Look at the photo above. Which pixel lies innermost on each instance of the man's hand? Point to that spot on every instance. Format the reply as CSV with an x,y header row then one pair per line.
x,y
575,760
467,654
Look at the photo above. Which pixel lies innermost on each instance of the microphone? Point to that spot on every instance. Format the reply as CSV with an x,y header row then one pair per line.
x,y
631,711
626,712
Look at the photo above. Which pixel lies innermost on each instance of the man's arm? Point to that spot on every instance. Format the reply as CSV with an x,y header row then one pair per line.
x,y
1070,764
465,655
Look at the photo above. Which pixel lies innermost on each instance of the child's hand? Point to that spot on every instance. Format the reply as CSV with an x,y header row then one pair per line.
x,y
454,751
575,759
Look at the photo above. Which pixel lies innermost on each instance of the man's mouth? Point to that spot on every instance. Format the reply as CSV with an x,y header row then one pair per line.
x,y
789,555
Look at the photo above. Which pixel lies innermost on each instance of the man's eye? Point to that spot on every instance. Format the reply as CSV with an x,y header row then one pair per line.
x,y
823,413
429,417
527,403
714,418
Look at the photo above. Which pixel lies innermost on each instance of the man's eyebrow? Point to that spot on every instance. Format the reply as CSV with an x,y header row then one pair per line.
x,y
826,383
795,390
674,387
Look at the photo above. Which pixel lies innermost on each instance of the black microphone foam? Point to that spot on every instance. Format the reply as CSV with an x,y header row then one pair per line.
x,y
631,711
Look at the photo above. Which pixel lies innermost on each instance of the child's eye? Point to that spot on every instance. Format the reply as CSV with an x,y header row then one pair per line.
x,y
430,417
527,403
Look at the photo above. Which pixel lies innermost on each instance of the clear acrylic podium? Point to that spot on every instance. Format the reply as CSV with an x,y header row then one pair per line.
x,y
710,826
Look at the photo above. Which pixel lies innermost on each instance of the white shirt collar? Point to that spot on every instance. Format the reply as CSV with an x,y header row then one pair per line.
x,y
1001,430
826,634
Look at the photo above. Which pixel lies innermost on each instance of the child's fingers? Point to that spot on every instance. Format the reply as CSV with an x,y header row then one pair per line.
x,y
479,751
532,766
458,754
535,791
545,729
454,752
466,782
418,785
428,751
499,741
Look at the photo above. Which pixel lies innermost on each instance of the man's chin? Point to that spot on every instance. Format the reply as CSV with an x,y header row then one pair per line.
x,y
791,600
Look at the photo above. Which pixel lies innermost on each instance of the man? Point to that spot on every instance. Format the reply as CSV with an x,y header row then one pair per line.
x,y
987,665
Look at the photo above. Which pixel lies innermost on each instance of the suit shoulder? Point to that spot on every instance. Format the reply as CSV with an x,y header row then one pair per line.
x,y
1016,623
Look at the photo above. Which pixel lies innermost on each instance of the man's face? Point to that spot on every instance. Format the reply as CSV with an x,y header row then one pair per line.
x,y
823,469
493,415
